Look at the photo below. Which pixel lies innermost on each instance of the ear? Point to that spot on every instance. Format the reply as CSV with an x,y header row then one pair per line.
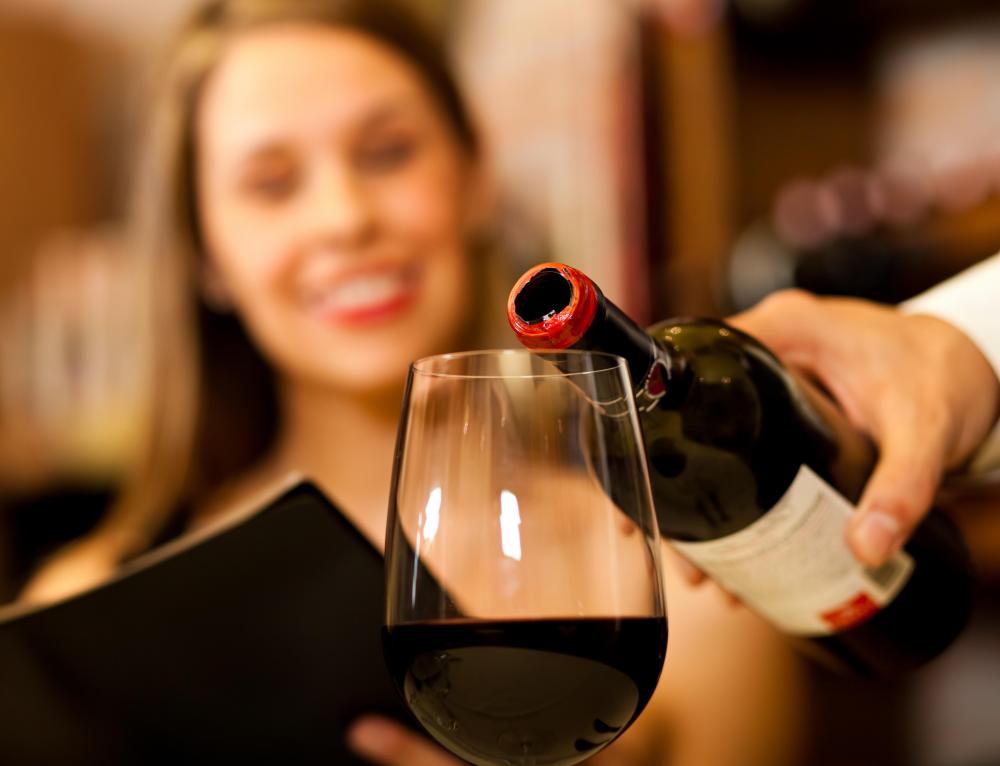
x,y
212,288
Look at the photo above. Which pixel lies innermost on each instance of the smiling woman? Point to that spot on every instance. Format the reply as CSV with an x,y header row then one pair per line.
x,y
307,218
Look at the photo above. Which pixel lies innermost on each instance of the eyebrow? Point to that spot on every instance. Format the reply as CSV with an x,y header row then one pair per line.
x,y
388,111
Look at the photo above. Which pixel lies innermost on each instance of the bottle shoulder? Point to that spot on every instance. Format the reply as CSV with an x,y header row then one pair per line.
x,y
732,369
699,337
739,424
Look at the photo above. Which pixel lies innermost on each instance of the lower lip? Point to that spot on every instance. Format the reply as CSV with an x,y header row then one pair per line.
x,y
370,315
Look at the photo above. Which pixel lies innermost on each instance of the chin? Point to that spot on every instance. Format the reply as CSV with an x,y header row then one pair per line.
x,y
370,377
373,368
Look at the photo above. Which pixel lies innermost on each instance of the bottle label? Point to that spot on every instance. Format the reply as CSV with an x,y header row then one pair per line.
x,y
793,565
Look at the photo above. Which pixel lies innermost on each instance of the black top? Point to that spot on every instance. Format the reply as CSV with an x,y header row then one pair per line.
x,y
256,643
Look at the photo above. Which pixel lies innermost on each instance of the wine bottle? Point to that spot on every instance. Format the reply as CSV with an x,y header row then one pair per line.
x,y
754,474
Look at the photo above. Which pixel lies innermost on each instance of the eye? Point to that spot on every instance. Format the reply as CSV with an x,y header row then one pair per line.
x,y
387,155
270,185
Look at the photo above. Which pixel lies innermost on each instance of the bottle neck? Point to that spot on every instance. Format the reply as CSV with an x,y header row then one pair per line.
x,y
613,330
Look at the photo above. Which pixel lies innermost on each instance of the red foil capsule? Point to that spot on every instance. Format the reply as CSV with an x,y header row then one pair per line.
x,y
563,326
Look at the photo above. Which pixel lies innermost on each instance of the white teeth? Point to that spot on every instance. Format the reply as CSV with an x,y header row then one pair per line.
x,y
362,292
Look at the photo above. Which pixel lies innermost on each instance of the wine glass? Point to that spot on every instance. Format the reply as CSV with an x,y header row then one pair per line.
x,y
525,619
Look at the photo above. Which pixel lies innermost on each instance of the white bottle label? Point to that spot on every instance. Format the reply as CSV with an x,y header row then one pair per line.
x,y
793,565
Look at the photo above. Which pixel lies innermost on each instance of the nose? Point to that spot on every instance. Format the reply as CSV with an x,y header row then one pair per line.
x,y
340,210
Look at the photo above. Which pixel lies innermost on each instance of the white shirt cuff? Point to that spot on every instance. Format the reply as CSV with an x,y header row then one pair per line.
x,y
971,302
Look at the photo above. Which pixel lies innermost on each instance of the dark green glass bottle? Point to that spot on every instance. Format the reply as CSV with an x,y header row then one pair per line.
x,y
754,474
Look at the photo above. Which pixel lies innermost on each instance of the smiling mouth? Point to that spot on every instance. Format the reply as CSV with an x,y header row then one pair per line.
x,y
366,298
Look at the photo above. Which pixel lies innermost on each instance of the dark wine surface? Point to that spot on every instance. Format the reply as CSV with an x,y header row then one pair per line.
x,y
539,692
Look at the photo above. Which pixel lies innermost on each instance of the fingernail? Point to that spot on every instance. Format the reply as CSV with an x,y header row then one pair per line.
x,y
369,736
876,536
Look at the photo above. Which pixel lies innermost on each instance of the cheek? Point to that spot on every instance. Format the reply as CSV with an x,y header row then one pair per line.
x,y
246,251
436,226
431,215
429,204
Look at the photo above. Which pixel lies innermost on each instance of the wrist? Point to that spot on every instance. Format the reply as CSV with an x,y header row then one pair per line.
x,y
971,387
968,302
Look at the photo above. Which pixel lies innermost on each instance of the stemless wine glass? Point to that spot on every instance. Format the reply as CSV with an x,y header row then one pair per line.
x,y
524,610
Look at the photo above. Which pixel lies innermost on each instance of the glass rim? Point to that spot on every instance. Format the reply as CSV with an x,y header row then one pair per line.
x,y
611,363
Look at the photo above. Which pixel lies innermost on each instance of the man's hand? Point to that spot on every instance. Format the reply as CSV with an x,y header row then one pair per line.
x,y
917,385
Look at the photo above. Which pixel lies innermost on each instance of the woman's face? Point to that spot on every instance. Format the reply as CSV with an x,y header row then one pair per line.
x,y
335,203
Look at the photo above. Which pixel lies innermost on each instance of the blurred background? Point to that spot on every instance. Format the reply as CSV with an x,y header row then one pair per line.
x,y
691,155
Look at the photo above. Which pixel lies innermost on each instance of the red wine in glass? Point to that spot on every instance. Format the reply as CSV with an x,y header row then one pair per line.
x,y
524,612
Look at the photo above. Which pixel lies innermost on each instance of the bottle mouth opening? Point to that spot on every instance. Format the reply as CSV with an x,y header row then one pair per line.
x,y
544,295
552,306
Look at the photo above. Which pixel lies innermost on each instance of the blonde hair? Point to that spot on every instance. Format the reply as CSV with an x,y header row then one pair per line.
x,y
176,464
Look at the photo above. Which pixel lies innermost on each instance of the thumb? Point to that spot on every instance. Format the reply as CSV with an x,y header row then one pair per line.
x,y
899,492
